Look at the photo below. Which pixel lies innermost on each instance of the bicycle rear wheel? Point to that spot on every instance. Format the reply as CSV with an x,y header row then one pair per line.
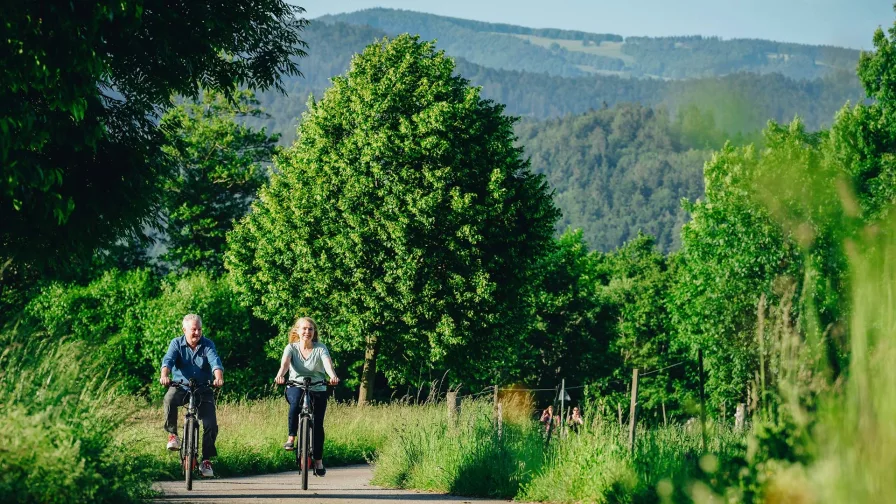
x,y
305,450
187,447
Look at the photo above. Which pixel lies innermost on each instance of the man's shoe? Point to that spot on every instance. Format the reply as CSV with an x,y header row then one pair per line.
x,y
173,442
205,468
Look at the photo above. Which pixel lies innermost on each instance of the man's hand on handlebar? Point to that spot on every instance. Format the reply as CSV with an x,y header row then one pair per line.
x,y
165,380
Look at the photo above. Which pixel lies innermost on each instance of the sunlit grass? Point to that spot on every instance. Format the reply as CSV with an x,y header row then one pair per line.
x,y
57,409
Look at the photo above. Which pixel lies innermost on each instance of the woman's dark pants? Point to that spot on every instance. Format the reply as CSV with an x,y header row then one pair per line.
x,y
319,403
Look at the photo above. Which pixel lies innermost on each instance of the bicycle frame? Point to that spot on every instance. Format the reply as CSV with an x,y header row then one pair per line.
x,y
189,448
305,437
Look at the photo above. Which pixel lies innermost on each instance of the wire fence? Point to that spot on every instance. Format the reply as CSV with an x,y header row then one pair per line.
x,y
557,389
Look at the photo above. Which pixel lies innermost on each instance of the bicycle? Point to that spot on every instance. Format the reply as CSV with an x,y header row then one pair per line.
x,y
306,425
189,446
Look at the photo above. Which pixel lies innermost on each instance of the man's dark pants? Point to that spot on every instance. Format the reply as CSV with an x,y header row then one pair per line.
x,y
206,411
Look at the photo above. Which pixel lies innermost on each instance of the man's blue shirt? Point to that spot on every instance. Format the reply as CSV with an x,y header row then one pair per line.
x,y
185,363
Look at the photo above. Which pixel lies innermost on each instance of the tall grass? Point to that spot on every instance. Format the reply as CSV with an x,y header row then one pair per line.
x,y
57,410
465,457
596,465
856,427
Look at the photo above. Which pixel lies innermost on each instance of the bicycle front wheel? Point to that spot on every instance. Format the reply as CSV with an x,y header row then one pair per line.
x,y
188,448
305,450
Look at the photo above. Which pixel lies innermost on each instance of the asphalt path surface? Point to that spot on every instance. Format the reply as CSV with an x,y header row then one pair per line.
x,y
341,485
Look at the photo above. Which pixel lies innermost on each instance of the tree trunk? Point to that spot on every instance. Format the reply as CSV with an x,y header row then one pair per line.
x,y
369,371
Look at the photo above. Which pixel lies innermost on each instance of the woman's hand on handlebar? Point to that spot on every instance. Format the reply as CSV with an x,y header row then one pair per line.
x,y
280,380
334,380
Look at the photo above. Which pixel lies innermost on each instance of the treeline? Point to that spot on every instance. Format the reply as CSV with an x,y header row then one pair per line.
x,y
740,103
555,33
479,47
697,56
507,47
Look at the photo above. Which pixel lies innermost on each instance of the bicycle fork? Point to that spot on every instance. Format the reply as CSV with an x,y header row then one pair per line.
x,y
190,441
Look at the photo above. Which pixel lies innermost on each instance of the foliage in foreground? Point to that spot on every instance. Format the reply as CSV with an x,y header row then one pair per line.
x,y
57,410
83,82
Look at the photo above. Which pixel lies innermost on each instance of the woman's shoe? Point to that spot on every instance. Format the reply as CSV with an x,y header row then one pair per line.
x,y
322,471
289,445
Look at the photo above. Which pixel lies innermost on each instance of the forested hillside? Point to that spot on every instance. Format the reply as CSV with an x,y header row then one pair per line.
x,y
740,102
573,53
619,171
636,179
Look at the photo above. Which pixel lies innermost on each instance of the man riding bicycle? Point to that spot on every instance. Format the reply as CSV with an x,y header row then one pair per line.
x,y
192,357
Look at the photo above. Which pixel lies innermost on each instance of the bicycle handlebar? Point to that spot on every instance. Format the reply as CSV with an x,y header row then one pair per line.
x,y
302,383
192,385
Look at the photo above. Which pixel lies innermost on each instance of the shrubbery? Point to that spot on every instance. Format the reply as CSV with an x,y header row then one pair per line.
x,y
58,410
127,320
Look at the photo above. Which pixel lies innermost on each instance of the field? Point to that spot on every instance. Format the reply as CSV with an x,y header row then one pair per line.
x,y
608,49
418,447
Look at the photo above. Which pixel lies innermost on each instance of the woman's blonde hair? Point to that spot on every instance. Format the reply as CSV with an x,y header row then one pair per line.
x,y
294,331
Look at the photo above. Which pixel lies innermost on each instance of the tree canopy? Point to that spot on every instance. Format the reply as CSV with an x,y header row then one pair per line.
x,y
218,173
403,216
83,86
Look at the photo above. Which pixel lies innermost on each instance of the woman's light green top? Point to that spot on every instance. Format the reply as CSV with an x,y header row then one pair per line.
x,y
312,367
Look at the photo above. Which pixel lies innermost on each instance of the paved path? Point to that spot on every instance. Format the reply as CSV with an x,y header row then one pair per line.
x,y
341,485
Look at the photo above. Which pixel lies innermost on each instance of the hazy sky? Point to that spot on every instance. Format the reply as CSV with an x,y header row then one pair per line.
x,y
848,23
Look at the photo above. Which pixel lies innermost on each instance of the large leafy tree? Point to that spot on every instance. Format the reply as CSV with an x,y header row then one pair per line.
x,y
404,218
219,171
732,252
82,85
571,321
636,290
863,138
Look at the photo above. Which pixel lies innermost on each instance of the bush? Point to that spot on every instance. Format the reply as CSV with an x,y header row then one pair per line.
x,y
239,337
128,318
106,314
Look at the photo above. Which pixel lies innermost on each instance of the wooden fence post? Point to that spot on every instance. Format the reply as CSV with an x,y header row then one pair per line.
x,y
495,401
619,413
665,420
702,402
453,407
500,420
633,411
740,417
562,403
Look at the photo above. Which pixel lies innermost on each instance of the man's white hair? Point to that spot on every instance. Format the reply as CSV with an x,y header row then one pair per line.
x,y
190,318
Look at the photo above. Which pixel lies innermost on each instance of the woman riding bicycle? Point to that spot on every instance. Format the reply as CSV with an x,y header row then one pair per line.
x,y
305,356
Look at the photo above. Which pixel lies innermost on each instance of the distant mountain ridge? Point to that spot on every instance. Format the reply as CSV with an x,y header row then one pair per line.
x,y
568,53
618,151
740,102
